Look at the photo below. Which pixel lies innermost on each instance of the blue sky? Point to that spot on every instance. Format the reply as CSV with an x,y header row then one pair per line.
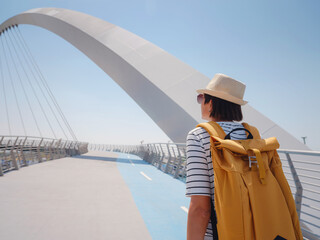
x,y
272,46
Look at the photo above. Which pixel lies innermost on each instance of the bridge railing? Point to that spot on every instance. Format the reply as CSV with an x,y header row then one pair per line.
x,y
302,170
21,151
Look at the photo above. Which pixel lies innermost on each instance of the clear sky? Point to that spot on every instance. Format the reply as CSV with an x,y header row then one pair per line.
x,y
272,46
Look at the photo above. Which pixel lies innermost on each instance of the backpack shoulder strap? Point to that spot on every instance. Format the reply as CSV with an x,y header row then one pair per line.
x,y
213,128
254,131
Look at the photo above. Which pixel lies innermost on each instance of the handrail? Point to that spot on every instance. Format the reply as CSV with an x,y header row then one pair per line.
x,y
21,151
158,154
22,136
300,152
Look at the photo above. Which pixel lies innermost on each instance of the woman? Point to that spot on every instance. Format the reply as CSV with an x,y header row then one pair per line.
x,y
221,102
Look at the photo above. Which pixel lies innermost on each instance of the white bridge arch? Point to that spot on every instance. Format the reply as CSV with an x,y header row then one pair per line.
x,y
162,85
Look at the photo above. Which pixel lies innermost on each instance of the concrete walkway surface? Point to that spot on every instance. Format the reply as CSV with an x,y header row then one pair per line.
x,y
70,198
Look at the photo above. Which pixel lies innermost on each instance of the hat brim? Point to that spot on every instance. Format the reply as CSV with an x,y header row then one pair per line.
x,y
223,96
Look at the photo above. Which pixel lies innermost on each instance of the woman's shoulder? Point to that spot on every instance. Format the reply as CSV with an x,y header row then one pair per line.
x,y
197,131
199,135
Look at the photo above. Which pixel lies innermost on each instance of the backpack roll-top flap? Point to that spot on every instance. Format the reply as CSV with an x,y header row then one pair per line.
x,y
242,146
250,154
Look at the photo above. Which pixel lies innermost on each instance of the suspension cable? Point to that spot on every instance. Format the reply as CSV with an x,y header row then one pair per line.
x,y
25,93
13,88
5,95
34,77
34,92
44,82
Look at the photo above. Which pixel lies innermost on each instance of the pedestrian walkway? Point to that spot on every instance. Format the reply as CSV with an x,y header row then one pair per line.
x,y
98,195
159,197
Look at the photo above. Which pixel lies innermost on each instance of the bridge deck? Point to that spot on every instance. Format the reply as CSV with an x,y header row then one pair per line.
x,y
99,195
69,198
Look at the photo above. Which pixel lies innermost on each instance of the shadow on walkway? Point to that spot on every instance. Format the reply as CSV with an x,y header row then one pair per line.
x,y
111,159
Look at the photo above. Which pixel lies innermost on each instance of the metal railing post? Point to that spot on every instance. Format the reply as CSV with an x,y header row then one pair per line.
x,y
185,165
64,149
153,154
58,148
169,159
1,171
176,174
71,149
85,149
299,189
31,151
13,157
75,148
162,158
5,150
175,159
78,148
18,153
22,152
158,155
39,152
80,145
50,157
148,154
46,150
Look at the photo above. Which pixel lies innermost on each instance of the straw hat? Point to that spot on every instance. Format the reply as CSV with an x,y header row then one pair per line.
x,y
226,88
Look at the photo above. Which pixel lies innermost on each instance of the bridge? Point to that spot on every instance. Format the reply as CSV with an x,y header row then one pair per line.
x,y
80,190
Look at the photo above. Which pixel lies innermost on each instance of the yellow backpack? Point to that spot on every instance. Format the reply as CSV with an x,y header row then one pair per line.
x,y
251,194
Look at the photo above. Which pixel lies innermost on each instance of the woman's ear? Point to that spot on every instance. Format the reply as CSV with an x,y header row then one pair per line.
x,y
210,105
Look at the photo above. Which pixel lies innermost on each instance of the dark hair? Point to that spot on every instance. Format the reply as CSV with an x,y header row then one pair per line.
x,y
223,110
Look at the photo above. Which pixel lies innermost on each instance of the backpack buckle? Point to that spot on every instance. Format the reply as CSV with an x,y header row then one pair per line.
x,y
251,161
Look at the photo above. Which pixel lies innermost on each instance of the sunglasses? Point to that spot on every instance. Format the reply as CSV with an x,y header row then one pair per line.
x,y
200,98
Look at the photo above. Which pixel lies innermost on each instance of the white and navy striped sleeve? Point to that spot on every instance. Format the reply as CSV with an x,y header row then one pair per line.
x,y
197,181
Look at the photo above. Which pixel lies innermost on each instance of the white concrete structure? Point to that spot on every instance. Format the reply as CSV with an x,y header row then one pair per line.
x,y
162,85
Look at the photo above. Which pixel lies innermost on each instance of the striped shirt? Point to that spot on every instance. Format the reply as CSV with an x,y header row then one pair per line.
x,y
199,164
